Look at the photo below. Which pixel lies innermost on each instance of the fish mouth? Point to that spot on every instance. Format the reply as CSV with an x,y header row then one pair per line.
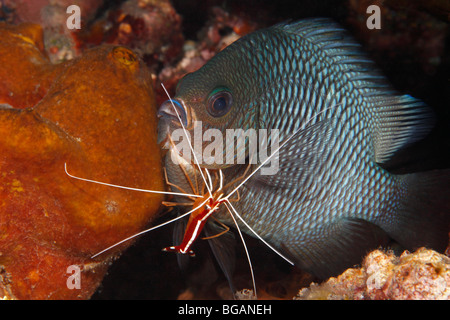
x,y
173,108
170,113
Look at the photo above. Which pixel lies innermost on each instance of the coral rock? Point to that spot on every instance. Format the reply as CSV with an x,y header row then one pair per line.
x,y
423,275
52,15
150,27
96,114
34,10
221,30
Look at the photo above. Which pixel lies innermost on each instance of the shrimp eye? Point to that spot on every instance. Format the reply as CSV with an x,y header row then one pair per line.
x,y
219,103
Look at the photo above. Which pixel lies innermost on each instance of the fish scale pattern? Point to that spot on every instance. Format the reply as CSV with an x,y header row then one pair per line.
x,y
338,119
300,83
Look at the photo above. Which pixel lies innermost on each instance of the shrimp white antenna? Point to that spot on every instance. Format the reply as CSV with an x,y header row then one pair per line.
x,y
189,140
245,247
226,199
209,178
227,202
129,188
221,180
276,151
150,229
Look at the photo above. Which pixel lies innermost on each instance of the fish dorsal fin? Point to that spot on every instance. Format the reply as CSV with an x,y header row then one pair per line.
x,y
401,120
300,158
336,246
342,51
396,120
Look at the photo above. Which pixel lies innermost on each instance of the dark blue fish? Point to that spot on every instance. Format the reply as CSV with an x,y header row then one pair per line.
x,y
330,201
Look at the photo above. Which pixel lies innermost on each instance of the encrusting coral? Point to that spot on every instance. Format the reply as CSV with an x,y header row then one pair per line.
x,y
97,114
422,275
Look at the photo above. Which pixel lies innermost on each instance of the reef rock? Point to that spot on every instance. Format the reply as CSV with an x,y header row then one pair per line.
x,y
97,115
152,28
422,275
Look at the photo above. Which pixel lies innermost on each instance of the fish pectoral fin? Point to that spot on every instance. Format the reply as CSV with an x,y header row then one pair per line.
x,y
300,158
177,237
223,248
337,246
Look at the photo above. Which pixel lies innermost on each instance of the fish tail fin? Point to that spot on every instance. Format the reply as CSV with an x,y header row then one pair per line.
x,y
423,211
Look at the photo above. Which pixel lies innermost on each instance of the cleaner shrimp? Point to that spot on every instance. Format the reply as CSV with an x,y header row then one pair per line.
x,y
203,204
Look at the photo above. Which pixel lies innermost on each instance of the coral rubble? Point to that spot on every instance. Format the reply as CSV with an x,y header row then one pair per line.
x,y
422,275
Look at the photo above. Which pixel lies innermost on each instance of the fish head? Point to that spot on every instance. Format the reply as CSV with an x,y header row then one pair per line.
x,y
208,102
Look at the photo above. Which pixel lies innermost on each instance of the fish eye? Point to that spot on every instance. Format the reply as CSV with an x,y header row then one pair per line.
x,y
219,103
